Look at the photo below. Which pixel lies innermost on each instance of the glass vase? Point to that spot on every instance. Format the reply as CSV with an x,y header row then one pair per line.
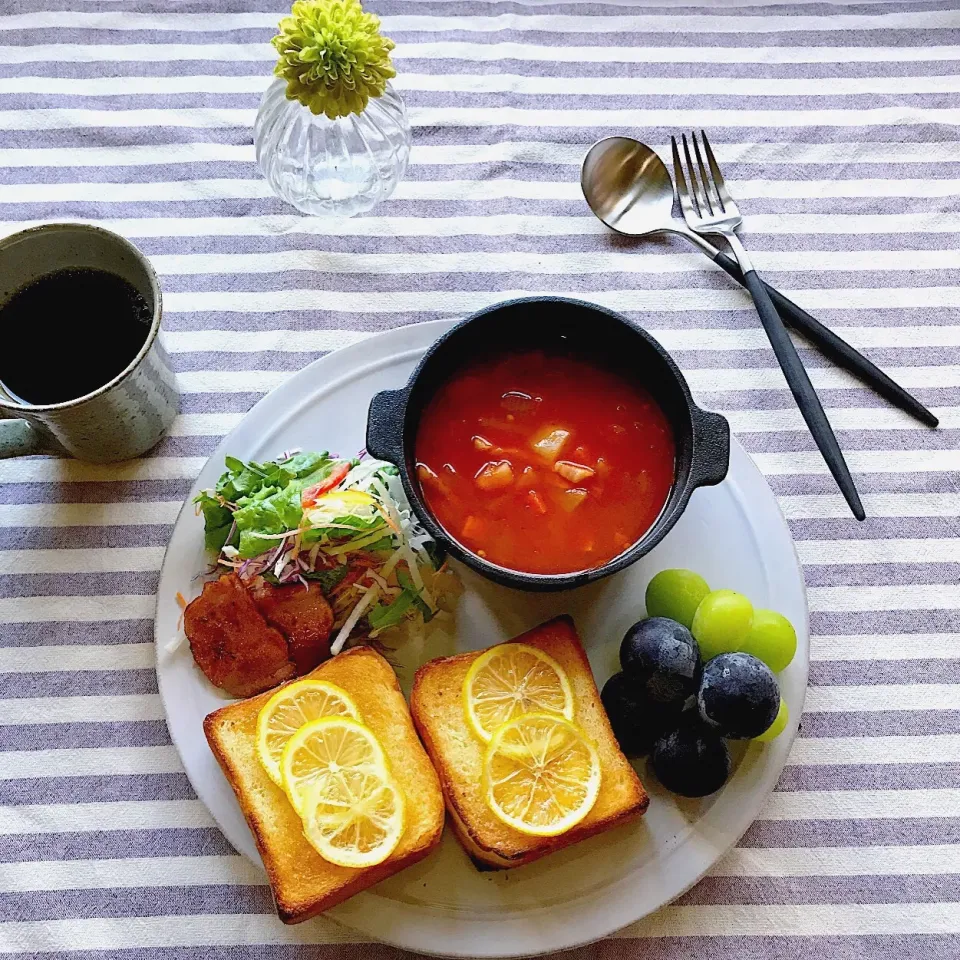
x,y
332,168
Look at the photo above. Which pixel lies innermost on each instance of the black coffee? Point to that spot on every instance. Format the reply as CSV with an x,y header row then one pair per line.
x,y
78,328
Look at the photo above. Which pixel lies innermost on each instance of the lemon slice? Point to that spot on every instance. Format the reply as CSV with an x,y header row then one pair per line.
x,y
512,679
541,775
354,820
328,751
289,709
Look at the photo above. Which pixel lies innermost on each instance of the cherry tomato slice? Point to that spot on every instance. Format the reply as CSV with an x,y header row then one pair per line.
x,y
311,495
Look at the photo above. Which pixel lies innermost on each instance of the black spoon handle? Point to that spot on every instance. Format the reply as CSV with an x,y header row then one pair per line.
x,y
802,389
836,348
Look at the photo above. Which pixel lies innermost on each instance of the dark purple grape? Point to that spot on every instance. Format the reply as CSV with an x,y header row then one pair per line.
x,y
663,659
635,721
690,759
739,696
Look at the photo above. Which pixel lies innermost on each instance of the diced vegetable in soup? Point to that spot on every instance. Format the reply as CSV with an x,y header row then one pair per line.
x,y
544,463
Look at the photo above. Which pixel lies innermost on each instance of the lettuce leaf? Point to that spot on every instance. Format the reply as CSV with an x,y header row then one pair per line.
x,y
380,617
359,524
328,579
407,583
267,498
217,521
275,513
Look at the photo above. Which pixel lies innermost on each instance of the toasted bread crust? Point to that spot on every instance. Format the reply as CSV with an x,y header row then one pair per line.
x,y
303,883
437,710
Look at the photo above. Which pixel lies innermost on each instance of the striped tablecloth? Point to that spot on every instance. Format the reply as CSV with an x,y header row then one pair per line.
x,y
840,127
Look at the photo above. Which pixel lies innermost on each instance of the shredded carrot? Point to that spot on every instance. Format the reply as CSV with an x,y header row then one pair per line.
x,y
182,604
386,516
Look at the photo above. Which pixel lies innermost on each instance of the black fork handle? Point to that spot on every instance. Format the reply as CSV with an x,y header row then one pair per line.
x,y
835,348
807,400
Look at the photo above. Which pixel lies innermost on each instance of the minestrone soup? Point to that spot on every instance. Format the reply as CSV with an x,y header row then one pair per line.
x,y
543,462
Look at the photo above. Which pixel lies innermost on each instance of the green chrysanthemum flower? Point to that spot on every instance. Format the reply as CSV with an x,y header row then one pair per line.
x,y
333,56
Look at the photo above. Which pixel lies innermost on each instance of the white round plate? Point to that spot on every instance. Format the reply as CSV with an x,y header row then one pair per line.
x,y
733,534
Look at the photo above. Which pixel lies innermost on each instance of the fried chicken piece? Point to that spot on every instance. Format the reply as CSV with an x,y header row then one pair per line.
x,y
232,642
302,615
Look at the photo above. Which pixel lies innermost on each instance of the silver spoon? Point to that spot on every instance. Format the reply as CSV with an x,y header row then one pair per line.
x,y
628,187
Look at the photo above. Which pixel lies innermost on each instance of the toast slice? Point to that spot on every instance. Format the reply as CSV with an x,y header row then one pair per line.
x,y
437,707
303,883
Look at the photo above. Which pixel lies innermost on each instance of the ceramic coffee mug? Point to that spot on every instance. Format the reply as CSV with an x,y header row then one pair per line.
x,y
121,418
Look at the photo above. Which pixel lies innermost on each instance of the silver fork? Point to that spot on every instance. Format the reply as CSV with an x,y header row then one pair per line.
x,y
709,208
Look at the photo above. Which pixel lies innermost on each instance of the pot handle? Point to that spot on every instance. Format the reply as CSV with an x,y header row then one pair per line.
x,y
712,444
385,425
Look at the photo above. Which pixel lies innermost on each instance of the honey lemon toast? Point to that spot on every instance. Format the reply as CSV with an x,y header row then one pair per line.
x,y
272,749
527,760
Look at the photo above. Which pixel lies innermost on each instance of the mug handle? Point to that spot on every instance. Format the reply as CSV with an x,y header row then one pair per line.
x,y
385,425
19,439
712,432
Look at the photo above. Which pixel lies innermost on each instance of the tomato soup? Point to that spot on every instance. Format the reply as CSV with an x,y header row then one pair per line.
x,y
543,462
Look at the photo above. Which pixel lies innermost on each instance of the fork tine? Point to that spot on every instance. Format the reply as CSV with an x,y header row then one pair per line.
x,y
718,180
699,196
713,197
682,192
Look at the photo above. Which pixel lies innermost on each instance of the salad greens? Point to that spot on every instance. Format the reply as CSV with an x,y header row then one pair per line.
x,y
344,524
261,498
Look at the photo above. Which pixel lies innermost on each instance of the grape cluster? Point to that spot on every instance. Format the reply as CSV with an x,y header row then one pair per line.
x,y
699,670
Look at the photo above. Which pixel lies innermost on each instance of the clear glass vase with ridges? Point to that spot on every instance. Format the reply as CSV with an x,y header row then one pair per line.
x,y
332,168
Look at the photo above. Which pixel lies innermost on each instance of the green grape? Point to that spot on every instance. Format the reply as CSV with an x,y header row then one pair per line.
x,y
779,724
676,594
771,639
722,622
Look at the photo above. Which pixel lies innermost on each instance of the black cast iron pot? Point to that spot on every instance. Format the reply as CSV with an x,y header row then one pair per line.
x,y
590,332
